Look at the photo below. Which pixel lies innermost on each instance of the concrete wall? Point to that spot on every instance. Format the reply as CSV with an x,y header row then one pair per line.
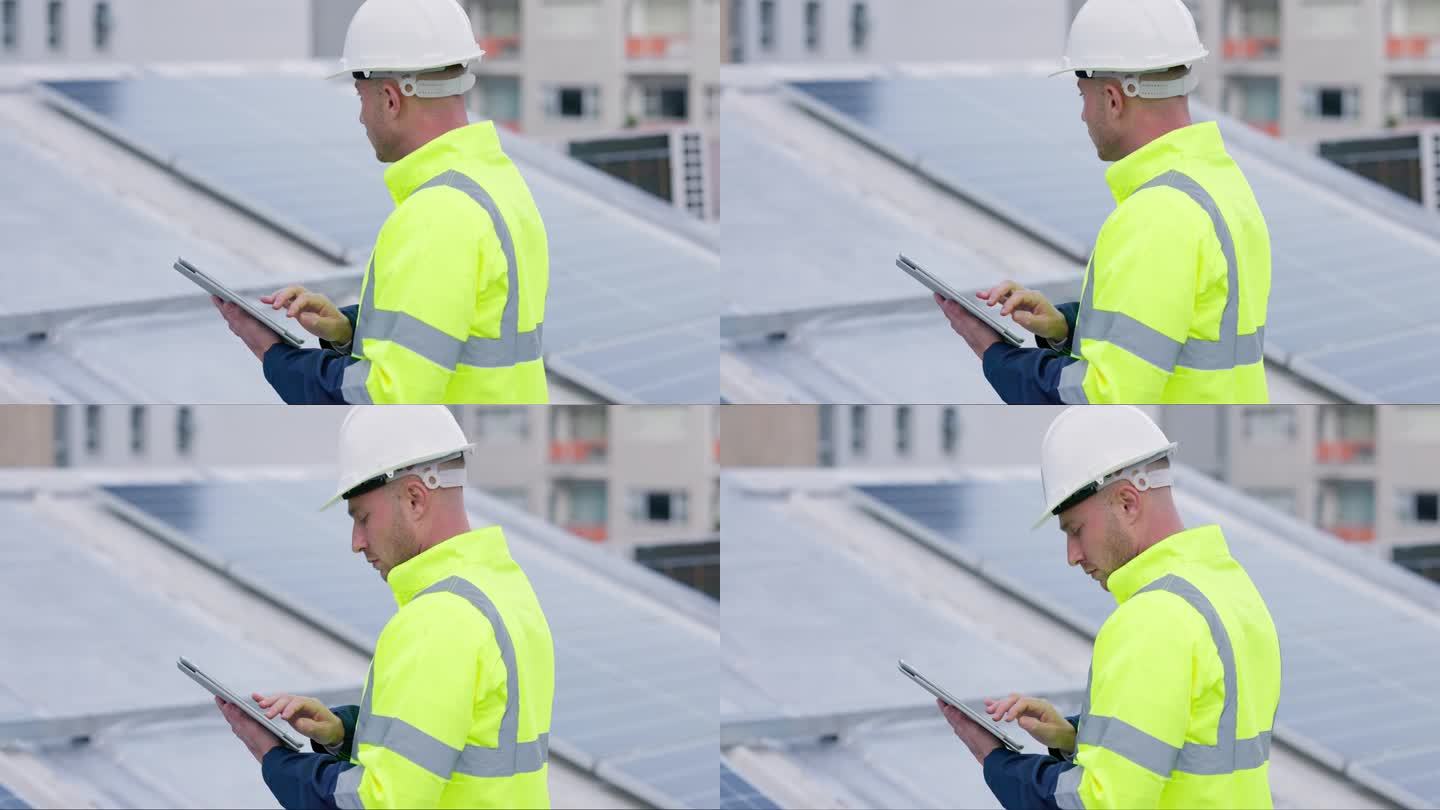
x,y
769,435
910,31
27,436
169,30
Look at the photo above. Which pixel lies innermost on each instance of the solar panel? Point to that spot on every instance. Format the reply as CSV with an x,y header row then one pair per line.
x,y
781,251
630,680
108,633
809,588
1338,642
10,801
613,277
1017,147
736,792
66,243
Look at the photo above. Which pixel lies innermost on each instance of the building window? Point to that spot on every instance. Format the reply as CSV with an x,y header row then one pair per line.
x,y
859,26
949,429
1270,425
1331,102
493,422
902,430
9,24
1417,507
93,417
737,30
857,430
767,25
663,102
659,506
184,430
60,434
55,24
1279,499
812,26
1422,103
1255,99
137,429
518,497
827,435
572,102
103,26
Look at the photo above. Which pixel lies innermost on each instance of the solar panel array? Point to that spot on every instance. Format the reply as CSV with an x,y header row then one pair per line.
x,y
1017,146
799,609
94,636
1359,673
293,149
65,243
10,801
781,249
635,688
736,792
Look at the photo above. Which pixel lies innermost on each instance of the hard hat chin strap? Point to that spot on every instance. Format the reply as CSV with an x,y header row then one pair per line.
x,y
1135,84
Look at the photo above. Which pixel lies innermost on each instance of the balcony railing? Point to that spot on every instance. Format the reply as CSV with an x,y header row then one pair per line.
x,y
594,532
1409,46
661,46
503,47
1252,47
578,451
1345,451
1354,533
1271,128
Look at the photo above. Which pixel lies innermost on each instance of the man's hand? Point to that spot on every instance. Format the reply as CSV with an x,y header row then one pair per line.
x,y
978,334
1042,720
306,715
255,736
258,337
1029,308
975,736
314,312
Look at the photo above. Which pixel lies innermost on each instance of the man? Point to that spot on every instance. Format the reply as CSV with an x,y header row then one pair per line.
x,y
456,708
453,301
1174,299
1185,675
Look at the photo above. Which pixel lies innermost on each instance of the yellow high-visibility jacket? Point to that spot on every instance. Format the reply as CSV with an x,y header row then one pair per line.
x,y
453,302
1184,686
1175,296
456,709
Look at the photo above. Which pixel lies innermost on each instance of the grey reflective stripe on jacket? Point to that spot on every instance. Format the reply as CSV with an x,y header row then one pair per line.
x,y
1227,755
1154,347
509,758
511,348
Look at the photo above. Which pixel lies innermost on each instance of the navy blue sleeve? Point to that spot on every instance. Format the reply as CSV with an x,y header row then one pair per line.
x,y
306,376
351,313
1070,312
302,780
1023,781
1024,376
348,715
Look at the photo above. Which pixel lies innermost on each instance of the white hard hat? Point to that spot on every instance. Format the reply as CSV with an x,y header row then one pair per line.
x,y
1088,446
401,39
1125,39
379,443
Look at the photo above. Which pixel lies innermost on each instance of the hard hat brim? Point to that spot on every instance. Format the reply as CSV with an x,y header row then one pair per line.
x,y
346,487
1049,510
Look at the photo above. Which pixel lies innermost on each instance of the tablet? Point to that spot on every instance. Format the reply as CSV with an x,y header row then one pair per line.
x,y
982,719
246,705
1007,332
263,315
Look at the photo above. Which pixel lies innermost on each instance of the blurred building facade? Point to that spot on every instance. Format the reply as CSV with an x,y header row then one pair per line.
x,y
619,476
1366,474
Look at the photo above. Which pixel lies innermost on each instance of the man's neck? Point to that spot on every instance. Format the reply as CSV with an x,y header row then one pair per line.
x,y
432,128
1153,125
